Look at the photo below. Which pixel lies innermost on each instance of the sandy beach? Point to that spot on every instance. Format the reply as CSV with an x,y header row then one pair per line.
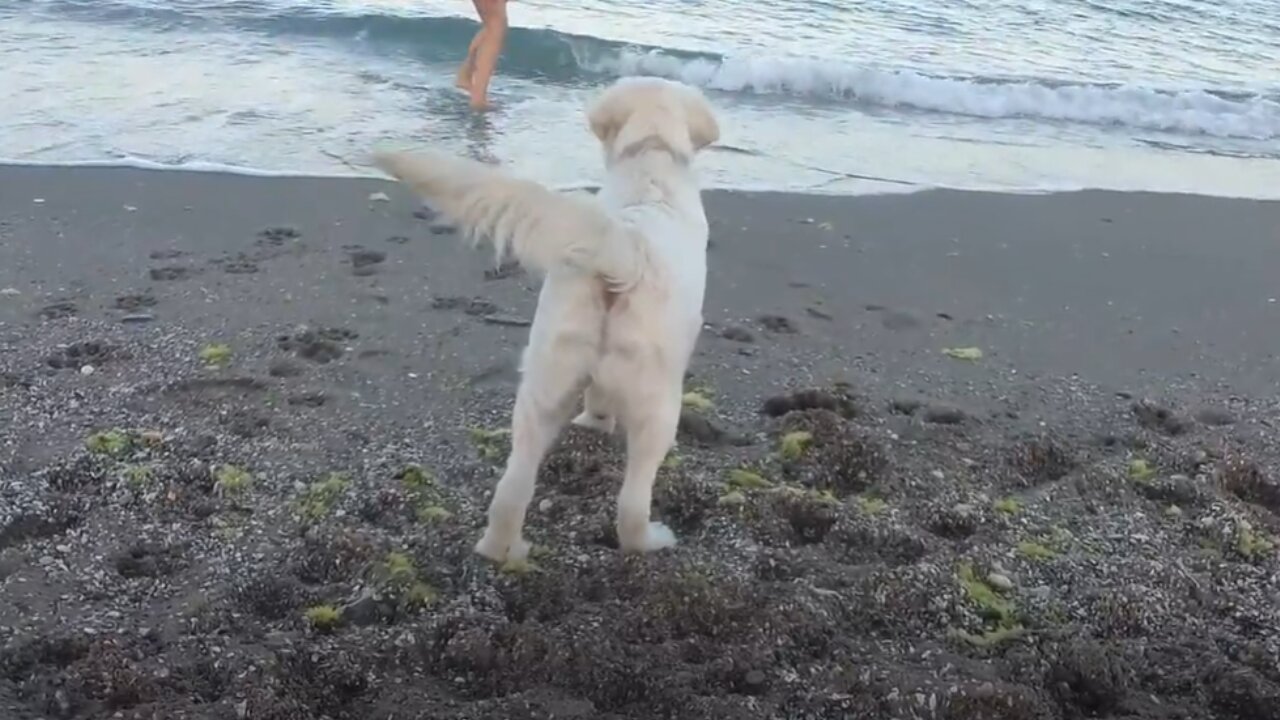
x,y
249,426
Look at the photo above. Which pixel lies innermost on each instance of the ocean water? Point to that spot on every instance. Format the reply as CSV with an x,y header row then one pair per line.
x,y
831,96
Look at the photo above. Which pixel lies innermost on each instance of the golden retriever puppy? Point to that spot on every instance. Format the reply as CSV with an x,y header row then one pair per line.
x,y
620,308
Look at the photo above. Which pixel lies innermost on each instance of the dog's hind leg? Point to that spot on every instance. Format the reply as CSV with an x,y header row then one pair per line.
x,y
552,378
652,414
596,413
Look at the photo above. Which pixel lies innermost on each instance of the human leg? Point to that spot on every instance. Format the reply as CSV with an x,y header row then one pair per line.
x,y
494,17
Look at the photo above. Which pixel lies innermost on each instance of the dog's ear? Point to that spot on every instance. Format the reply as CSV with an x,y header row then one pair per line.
x,y
608,114
703,127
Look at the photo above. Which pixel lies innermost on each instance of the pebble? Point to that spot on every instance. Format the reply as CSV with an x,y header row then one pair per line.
x,y
138,318
999,581
938,475
379,197
87,370
545,505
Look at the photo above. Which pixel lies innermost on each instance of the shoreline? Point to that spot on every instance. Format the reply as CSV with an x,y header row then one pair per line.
x,y
251,426
853,185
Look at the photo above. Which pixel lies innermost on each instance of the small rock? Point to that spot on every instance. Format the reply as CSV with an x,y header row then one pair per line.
x,y
999,581
507,320
737,333
545,505
944,415
938,475
905,406
10,291
754,681
379,197
137,318
363,611
87,370
364,258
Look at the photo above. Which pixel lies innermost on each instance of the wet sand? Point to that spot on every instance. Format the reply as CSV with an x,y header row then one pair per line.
x,y
1079,523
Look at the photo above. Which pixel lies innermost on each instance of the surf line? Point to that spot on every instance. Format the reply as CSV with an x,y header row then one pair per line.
x,y
839,174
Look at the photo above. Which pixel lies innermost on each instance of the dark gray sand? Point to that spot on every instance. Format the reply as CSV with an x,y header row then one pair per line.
x,y
248,437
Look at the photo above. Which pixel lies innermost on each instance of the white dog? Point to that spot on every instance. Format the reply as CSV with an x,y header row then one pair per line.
x,y
620,309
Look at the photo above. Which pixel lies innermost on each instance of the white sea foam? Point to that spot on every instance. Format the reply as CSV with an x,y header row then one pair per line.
x,y
1189,111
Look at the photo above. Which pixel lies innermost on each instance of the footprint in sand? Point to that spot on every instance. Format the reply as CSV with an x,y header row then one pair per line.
x,y
239,265
506,270
778,324
476,307
58,310
135,302
173,273
77,355
277,236
319,345
365,262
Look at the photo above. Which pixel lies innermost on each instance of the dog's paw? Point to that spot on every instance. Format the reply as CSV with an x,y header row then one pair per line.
x,y
500,551
656,536
595,422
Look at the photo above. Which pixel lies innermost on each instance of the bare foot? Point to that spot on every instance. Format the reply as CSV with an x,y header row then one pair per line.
x,y
480,104
463,82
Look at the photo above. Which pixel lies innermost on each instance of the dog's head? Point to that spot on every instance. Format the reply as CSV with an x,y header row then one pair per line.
x,y
636,113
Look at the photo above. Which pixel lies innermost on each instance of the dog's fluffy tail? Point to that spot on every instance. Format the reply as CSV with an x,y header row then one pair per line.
x,y
541,227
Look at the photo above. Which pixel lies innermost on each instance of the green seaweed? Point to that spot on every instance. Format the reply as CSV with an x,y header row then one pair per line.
x,y
1252,544
871,506
972,354
697,402
323,617
138,477
988,602
1036,551
232,481
416,478
517,567
733,498
319,498
1007,506
794,444
489,443
428,514
113,443
743,479
216,355
1140,470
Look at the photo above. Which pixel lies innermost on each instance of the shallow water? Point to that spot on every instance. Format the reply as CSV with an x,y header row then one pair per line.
x,y
814,95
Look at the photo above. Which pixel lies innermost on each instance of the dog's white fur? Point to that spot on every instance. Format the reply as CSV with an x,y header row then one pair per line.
x,y
620,309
